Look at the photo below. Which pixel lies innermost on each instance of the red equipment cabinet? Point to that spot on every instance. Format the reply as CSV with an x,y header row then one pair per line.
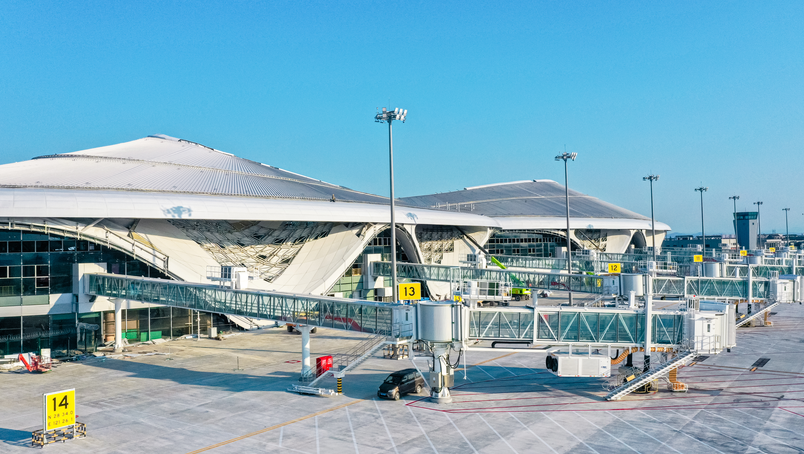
x,y
323,364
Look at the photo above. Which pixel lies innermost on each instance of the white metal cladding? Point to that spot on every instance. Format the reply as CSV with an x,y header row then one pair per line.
x,y
98,182
154,164
78,203
528,198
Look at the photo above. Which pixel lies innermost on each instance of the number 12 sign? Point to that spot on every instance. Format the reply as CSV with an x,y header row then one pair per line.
x,y
59,409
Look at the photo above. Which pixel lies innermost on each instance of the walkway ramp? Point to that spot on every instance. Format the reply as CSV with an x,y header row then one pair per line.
x,y
626,388
755,315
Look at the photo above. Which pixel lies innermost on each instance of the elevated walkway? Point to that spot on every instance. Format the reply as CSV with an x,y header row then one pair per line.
x,y
678,287
323,311
575,326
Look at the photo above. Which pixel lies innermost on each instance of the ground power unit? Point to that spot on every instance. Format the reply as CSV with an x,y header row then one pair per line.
x,y
579,365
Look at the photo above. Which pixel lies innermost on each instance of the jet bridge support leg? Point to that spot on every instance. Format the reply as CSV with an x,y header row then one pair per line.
x,y
441,376
306,371
118,325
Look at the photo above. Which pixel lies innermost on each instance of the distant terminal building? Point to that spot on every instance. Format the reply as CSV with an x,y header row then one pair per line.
x,y
175,209
694,241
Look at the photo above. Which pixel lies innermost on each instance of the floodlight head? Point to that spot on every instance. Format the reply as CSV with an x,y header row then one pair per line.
x,y
573,156
396,111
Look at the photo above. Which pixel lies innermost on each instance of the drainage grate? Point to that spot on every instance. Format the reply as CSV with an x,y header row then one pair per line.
x,y
700,359
760,362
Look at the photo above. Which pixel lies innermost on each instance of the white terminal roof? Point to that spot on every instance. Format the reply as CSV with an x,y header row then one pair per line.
x,y
164,177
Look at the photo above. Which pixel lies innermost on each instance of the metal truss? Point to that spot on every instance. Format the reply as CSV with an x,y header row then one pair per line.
x,y
329,312
668,286
612,327
530,279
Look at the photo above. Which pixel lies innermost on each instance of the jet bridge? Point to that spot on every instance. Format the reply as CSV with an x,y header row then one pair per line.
x,y
444,326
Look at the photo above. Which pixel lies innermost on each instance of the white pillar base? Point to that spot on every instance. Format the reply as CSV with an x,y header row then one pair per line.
x,y
306,371
118,325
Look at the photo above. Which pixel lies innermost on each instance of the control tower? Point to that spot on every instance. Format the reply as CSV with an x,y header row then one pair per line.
x,y
745,225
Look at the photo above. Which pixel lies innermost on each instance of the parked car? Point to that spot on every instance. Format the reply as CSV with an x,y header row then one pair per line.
x,y
401,382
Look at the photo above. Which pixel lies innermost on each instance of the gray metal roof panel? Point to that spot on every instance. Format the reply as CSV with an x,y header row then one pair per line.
x,y
529,198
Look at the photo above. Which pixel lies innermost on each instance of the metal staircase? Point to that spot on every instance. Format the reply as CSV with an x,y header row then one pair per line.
x,y
344,362
756,315
627,387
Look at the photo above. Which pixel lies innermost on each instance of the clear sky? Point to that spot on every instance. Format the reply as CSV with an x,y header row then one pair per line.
x,y
701,93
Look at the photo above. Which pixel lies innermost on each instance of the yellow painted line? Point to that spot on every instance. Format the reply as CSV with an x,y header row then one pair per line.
x,y
277,426
493,359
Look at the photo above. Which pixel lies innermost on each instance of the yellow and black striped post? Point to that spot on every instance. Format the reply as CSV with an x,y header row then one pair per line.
x,y
340,385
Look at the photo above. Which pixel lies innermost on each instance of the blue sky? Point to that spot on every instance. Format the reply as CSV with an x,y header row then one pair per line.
x,y
705,93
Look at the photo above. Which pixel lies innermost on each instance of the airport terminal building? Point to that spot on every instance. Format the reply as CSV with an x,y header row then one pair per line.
x,y
174,209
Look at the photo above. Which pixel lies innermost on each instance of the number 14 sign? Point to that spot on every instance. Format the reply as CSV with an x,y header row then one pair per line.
x,y
59,409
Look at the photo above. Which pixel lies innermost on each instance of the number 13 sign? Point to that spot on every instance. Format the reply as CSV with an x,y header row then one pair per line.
x,y
59,409
410,291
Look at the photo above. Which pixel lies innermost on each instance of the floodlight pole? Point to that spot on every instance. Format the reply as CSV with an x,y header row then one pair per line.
x,y
735,198
652,178
703,230
759,224
568,156
390,116
786,229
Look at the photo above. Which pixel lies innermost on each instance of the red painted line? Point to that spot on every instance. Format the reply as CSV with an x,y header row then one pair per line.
x,y
797,414
520,408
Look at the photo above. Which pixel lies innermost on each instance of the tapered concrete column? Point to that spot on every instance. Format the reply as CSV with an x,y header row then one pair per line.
x,y
305,332
118,325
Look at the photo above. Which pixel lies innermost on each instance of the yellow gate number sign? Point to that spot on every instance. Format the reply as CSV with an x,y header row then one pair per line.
x,y
59,409
614,268
772,249
743,253
697,258
410,291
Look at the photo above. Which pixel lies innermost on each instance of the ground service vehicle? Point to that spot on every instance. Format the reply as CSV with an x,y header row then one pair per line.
x,y
401,382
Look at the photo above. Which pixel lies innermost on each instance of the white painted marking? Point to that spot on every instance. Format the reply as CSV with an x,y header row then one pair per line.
x,y
417,368
637,428
567,431
682,432
422,428
317,447
393,445
506,369
281,434
534,433
498,434
746,427
767,421
354,439
716,431
286,448
526,367
459,431
607,433
492,376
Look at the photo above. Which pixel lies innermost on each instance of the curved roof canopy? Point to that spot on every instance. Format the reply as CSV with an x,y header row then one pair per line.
x,y
164,177
542,198
165,164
